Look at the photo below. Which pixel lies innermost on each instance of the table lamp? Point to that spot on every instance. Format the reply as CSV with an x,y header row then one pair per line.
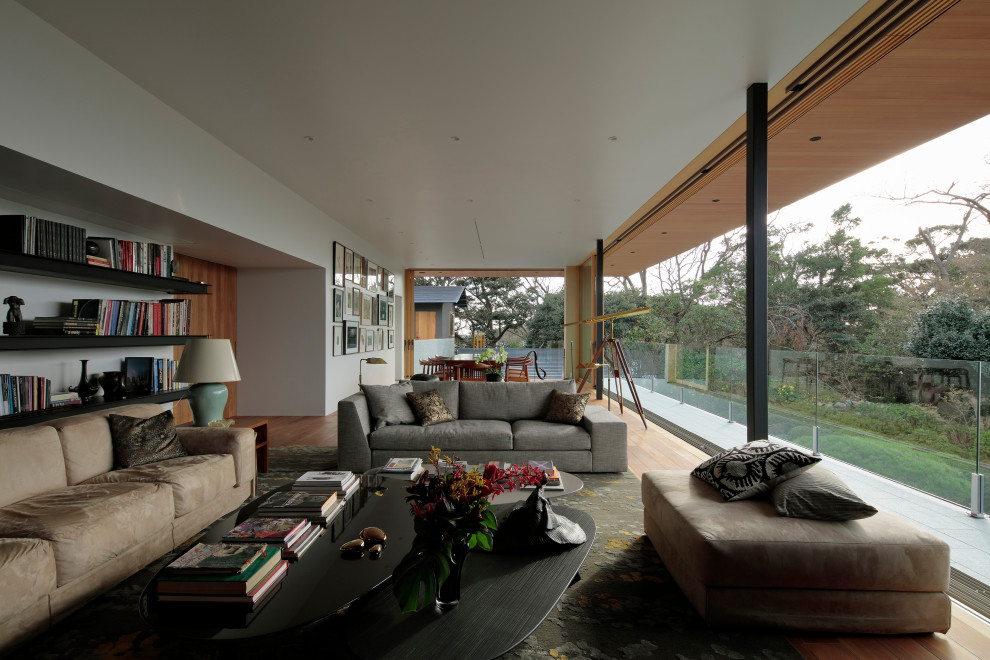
x,y
209,363
371,360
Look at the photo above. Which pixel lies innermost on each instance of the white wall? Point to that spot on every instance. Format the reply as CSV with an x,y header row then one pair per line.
x,y
64,106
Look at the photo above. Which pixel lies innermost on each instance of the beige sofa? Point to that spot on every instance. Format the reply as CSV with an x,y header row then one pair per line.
x,y
740,564
71,526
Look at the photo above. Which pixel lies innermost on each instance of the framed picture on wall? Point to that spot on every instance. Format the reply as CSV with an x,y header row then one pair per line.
x,y
351,339
379,340
338,264
390,284
348,265
374,310
389,319
338,340
355,303
360,271
362,340
382,310
366,309
338,305
372,276
391,339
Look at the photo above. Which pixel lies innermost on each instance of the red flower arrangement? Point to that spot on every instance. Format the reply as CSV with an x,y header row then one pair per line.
x,y
451,510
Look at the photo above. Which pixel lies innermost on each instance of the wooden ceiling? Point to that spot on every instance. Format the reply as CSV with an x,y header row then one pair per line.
x,y
911,71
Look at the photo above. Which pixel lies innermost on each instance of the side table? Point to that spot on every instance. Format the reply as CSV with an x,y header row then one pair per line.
x,y
260,426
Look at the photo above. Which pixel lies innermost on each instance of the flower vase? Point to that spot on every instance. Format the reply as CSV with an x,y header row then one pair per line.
x,y
449,593
493,378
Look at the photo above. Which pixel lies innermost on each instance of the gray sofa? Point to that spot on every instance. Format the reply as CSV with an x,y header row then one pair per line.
x,y
71,526
494,421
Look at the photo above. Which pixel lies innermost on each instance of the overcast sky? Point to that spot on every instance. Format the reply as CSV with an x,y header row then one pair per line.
x,y
957,156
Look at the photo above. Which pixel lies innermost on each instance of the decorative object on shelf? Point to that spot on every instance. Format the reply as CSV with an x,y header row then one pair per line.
x,y
86,387
370,360
112,383
14,325
209,363
493,356
451,516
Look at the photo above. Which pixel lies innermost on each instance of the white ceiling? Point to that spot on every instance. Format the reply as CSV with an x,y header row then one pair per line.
x,y
531,90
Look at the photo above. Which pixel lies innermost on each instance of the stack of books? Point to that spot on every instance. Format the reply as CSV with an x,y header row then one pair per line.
x,y
341,482
553,475
408,467
293,535
28,234
60,399
63,325
318,508
243,577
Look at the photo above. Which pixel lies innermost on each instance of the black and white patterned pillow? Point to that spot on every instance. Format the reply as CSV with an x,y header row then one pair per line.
x,y
138,441
429,407
820,495
752,469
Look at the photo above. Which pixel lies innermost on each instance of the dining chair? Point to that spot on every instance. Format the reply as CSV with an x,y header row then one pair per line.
x,y
517,369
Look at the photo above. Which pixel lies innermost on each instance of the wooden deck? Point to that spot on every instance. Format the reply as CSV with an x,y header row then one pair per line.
x,y
656,449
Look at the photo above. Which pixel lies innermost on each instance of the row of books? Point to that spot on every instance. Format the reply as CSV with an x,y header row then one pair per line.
x,y
132,256
24,394
245,568
129,318
27,234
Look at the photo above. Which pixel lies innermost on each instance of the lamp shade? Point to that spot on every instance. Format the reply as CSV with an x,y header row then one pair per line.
x,y
207,361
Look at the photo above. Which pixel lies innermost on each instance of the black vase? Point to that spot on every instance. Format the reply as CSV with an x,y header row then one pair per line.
x,y
493,378
449,593
112,383
85,388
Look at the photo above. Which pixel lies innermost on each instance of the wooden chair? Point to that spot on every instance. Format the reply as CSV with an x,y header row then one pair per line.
x,y
471,371
517,369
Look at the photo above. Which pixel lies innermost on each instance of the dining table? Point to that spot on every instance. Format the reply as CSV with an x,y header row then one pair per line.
x,y
462,368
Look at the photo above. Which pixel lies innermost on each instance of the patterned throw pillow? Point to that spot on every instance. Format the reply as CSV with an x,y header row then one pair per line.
x,y
820,495
429,407
137,441
754,468
566,408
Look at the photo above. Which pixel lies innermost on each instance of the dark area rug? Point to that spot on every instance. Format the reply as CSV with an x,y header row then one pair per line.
x,y
625,606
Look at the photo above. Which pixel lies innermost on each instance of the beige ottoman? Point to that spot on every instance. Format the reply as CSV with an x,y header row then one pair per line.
x,y
740,564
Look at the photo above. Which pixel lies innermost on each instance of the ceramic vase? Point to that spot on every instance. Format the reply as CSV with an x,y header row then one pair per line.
x,y
85,388
112,383
449,593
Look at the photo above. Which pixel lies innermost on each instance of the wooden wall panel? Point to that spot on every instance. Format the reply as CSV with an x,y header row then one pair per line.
x,y
213,314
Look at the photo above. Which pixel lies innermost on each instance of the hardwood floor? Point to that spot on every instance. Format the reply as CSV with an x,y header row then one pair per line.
x,y
654,448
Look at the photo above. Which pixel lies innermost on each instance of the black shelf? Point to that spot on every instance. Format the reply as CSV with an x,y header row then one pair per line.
x,y
91,405
45,267
46,342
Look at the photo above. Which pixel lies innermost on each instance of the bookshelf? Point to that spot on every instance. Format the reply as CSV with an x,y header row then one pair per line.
x,y
93,405
45,342
32,265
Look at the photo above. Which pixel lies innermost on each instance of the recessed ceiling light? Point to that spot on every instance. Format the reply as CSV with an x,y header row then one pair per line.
x,y
716,200
815,138
663,232
632,251
309,138
613,138
455,138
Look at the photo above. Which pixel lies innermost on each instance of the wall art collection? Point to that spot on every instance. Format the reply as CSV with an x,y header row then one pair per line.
x,y
363,304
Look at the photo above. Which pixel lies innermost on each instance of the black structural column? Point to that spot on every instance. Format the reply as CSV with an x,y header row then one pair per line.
x,y
599,310
756,263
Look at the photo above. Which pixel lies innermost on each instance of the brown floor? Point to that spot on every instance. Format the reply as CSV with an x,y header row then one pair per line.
x,y
656,449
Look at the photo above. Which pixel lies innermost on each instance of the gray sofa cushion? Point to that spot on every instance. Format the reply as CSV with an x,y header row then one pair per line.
x,y
448,392
548,436
820,495
450,437
509,401
388,405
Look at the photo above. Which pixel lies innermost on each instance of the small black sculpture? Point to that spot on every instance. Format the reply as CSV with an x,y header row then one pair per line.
x,y
14,324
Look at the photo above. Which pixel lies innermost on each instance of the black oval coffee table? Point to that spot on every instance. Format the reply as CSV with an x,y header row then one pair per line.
x,y
321,582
